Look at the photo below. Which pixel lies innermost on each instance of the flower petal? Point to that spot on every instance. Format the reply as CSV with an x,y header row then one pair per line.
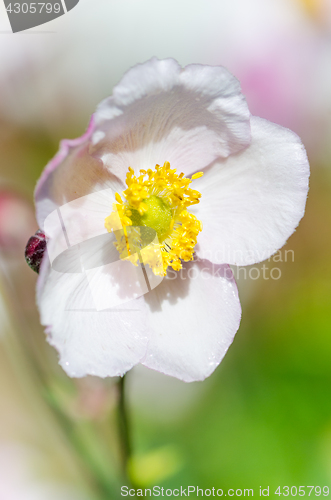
x,y
104,342
160,112
194,315
253,201
71,174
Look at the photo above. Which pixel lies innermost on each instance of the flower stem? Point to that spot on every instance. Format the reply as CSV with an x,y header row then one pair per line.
x,y
124,433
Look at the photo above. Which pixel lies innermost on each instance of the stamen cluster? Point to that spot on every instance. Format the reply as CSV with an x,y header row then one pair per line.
x,y
158,199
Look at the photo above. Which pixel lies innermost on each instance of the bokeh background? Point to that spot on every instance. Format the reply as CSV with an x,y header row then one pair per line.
x,y
264,417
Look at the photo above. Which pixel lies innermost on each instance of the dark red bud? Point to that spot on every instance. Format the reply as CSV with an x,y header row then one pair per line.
x,y
35,249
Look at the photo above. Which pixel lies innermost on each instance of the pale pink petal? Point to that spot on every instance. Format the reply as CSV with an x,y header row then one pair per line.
x,y
79,220
160,112
253,201
194,315
93,336
71,174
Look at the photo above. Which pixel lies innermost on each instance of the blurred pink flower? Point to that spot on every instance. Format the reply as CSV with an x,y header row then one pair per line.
x,y
253,190
17,221
280,51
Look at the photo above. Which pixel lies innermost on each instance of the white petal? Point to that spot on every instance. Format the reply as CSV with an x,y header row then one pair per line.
x,y
90,341
160,112
71,174
253,201
79,220
194,315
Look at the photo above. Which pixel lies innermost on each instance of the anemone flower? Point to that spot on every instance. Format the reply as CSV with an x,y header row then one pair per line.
x,y
174,151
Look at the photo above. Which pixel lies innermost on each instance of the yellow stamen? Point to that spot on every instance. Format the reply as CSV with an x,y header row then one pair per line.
x,y
197,175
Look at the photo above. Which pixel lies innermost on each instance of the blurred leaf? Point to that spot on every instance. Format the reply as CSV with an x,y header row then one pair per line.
x,y
155,466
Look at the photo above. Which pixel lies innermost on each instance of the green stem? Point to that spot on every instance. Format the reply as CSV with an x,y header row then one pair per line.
x,y
124,432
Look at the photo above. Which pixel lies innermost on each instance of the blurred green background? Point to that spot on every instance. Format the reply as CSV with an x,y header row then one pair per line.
x,y
264,417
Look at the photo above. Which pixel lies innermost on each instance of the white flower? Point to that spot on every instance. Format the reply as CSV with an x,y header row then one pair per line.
x,y
253,195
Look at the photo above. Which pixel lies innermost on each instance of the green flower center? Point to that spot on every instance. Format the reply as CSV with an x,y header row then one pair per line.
x,y
158,216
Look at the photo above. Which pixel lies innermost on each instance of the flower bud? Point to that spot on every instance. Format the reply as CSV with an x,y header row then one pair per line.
x,y
35,249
